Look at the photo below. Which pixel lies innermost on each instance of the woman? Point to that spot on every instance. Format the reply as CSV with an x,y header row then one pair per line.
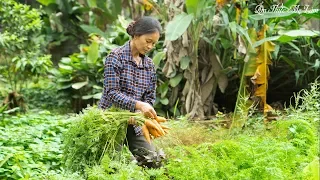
x,y
130,79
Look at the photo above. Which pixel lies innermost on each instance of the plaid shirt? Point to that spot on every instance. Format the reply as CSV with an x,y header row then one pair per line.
x,y
125,82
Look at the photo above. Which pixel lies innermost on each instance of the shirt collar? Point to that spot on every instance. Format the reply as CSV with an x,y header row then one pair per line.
x,y
127,50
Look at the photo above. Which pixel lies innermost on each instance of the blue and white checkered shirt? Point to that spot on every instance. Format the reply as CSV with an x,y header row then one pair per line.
x,y
125,82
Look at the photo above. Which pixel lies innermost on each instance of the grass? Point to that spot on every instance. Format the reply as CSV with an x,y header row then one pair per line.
x,y
183,133
285,149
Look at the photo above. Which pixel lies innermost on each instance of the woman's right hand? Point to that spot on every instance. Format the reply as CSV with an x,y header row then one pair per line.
x,y
146,109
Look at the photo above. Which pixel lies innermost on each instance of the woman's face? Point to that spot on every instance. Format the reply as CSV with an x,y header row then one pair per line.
x,y
146,42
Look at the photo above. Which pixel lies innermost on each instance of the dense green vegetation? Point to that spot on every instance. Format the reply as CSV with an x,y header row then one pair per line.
x,y
229,82
31,144
31,147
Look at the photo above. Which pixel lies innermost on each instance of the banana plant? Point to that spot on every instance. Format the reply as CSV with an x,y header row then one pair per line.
x,y
261,49
186,28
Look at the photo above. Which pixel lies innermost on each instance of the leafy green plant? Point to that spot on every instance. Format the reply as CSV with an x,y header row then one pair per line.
x,y
311,171
241,158
165,93
94,134
307,99
30,144
43,94
22,56
299,65
2,110
122,169
299,132
80,76
59,175
22,48
79,80
258,52
68,22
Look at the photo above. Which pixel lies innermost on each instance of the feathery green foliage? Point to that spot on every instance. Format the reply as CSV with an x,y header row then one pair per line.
x,y
96,133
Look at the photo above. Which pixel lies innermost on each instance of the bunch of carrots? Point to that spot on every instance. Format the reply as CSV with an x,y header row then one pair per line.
x,y
153,129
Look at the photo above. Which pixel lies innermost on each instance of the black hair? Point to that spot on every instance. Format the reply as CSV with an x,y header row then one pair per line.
x,y
144,25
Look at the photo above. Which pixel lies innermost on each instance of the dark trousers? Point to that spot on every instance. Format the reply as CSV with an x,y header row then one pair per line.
x,y
145,153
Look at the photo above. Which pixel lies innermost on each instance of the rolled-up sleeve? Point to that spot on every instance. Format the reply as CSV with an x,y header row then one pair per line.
x,y
111,86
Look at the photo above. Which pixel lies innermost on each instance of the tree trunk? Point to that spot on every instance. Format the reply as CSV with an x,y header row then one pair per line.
x,y
192,90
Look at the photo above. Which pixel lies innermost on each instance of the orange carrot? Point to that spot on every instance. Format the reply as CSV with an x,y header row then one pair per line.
x,y
159,129
150,124
164,127
154,133
161,119
146,133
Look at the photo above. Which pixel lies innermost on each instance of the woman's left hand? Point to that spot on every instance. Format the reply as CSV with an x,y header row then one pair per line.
x,y
146,109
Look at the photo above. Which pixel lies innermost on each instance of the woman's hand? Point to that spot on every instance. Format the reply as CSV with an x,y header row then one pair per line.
x,y
146,109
